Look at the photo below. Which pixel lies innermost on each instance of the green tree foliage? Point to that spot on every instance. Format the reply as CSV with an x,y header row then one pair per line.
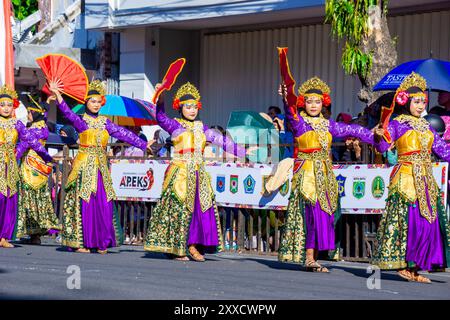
x,y
349,20
23,8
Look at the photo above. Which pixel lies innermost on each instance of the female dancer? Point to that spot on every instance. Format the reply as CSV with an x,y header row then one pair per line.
x,y
36,212
10,130
90,219
187,214
414,232
313,210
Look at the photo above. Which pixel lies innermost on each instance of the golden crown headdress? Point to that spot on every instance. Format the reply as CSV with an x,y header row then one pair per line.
x,y
413,80
98,86
188,89
8,91
314,83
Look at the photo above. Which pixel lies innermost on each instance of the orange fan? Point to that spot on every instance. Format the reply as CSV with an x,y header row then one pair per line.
x,y
71,73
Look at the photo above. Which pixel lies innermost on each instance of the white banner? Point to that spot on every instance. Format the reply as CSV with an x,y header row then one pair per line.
x,y
363,188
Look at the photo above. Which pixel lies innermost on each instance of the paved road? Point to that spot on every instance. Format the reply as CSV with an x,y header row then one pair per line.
x,y
40,272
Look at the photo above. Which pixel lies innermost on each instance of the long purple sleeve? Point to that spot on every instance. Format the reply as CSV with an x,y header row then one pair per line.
x,y
440,148
225,142
76,121
383,145
30,138
343,130
296,124
125,135
166,123
23,146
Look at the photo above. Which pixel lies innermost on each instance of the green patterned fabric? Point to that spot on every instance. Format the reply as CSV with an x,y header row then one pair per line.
x,y
36,214
392,234
169,224
293,232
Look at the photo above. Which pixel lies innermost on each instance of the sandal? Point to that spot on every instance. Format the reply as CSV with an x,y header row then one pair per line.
x,y
83,250
421,279
5,244
406,274
195,254
311,265
314,266
183,258
102,251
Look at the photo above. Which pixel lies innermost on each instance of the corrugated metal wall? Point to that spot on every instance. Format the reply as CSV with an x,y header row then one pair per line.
x,y
239,71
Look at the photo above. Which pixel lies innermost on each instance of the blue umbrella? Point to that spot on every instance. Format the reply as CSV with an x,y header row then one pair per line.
x,y
436,73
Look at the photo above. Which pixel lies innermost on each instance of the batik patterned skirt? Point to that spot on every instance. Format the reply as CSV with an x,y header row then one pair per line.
x,y
173,227
36,213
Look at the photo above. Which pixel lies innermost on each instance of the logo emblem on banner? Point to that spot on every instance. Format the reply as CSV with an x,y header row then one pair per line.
x,y
341,185
284,189
220,183
359,187
234,181
249,184
378,187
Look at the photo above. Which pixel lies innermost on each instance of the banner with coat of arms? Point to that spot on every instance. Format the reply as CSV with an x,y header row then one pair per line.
x,y
362,188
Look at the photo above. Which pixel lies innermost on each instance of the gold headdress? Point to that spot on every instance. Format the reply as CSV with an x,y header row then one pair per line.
x,y
6,93
186,89
314,84
413,80
96,88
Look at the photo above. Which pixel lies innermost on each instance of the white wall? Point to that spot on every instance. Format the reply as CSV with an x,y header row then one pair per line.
x,y
139,62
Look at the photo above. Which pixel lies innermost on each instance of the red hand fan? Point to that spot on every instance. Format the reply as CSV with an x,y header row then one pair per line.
x,y
71,73
170,77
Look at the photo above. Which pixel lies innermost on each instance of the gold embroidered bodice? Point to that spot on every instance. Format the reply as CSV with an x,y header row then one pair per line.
x,y
310,141
91,158
187,166
9,172
314,176
412,177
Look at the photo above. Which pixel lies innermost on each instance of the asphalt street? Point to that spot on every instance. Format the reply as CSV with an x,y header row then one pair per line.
x,y
128,272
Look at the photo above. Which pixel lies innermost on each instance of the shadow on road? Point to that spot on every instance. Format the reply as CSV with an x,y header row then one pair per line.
x,y
276,264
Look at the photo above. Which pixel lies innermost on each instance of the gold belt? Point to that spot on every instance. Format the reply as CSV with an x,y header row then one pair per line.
x,y
315,155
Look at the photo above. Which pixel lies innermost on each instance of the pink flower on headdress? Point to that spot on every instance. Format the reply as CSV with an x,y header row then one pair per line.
x,y
402,98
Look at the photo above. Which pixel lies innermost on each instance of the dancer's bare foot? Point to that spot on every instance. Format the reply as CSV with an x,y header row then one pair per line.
x,y
83,250
195,254
102,251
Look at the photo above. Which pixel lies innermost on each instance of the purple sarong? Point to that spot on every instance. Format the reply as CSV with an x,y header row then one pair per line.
x,y
425,245
97,219
203,227
319,228
8,215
